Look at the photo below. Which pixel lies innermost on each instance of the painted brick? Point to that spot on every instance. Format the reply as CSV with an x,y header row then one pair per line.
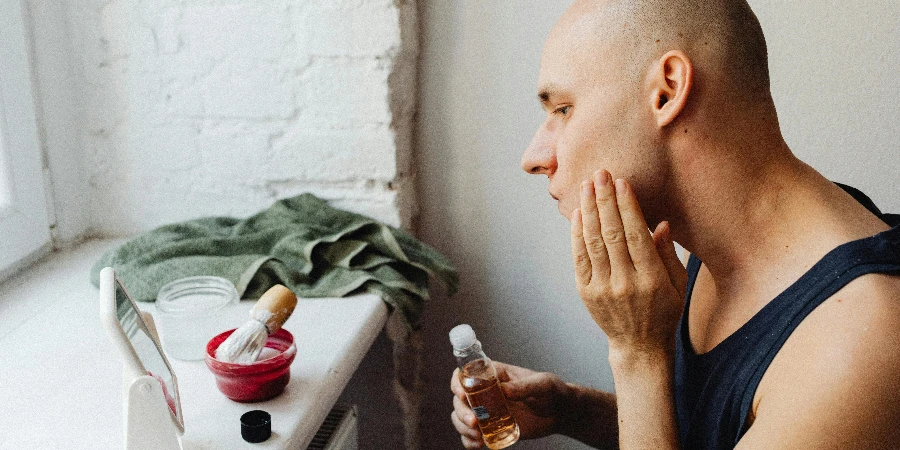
x,y
232,155
169,150
341,92
174,100
334,28
165,29
250,30
220,107
114,28
246,89
337,155
105,103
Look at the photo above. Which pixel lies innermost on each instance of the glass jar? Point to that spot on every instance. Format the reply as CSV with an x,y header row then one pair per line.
x,y
192,311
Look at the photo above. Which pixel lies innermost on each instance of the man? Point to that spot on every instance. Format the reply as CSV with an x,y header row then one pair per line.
x,y
659,114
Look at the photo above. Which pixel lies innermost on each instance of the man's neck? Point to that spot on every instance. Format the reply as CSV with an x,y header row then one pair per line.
x,y
756,213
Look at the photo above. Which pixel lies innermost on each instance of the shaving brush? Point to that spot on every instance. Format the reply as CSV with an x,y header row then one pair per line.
x,y
268,315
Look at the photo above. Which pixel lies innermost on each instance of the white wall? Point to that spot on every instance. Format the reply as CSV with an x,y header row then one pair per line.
x,y
159,111
168,110
834,72
833,67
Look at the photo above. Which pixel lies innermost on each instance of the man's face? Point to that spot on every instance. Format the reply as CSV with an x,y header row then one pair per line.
x,y
597,118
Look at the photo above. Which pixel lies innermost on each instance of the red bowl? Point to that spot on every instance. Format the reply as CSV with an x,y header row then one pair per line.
x,y
255,382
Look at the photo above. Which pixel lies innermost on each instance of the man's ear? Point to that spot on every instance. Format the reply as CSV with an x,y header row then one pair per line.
x,y
670,86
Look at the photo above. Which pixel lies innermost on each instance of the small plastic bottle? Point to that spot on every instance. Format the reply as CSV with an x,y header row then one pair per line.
x,y
479,379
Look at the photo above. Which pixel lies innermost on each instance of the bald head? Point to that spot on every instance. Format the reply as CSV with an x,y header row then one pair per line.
x,y
723,38
645,89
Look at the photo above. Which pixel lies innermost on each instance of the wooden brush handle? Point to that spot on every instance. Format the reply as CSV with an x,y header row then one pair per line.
x,y
280,302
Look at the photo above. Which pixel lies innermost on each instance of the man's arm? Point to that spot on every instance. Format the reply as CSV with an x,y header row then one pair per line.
x,y
836,382
591,417
645,399
633,284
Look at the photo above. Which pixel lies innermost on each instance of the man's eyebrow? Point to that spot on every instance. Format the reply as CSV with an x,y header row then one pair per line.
x,y
546,93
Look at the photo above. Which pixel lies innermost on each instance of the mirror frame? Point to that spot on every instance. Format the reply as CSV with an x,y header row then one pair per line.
x,y
134,366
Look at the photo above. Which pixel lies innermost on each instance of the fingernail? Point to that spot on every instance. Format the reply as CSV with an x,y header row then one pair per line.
x,y
586,187
602,178
621,186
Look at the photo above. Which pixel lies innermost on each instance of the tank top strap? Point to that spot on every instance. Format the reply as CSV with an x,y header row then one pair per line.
x,y
686,361
715,390
775,323
683,340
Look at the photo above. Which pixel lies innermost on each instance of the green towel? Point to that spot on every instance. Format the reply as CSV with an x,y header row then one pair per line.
x,y
301,242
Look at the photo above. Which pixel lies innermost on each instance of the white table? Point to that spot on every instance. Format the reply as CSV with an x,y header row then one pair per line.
x,y
61,379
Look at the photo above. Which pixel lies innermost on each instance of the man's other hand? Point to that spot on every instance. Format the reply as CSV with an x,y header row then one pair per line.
x,y
538,401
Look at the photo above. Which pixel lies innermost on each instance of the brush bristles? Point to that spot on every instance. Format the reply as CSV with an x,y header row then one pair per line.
x,y
244,345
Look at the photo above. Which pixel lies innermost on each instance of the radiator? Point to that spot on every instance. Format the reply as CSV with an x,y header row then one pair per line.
x,y
338,431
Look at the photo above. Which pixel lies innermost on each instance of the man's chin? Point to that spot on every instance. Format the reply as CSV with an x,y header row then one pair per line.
x,y
565,212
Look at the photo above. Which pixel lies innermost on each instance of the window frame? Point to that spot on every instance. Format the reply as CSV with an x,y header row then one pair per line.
x,y
24,219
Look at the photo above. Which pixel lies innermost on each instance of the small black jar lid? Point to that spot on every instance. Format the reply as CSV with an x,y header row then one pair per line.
x,y
256,426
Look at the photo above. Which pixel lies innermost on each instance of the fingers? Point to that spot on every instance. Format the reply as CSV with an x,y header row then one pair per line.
x,y
508,372
639,242
579,251
516,391
515,380
662,239
614,234
535,385
465,423
591,232
470,438
471,443
462,417
505,372
465,418
455,386
612,231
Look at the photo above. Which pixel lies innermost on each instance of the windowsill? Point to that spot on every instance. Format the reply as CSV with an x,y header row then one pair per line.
x,y
62,377
31,291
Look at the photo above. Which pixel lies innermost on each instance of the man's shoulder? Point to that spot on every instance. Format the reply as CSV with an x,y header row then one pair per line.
x,y
839,372
872,299
859,322
846,347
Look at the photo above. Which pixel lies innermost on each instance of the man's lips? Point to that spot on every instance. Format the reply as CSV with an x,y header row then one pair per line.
x,y
554,197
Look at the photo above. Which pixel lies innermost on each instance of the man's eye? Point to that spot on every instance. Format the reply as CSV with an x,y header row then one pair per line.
x,y
562,110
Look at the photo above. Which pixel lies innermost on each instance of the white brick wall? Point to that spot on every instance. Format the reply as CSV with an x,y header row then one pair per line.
x,y
185,108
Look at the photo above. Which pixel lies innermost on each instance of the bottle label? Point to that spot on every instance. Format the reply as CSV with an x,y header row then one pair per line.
x,y
481,412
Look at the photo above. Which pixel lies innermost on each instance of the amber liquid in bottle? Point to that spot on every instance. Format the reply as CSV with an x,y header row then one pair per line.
x,y
498,428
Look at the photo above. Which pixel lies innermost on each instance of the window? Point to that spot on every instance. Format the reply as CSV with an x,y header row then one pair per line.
x,y
24,227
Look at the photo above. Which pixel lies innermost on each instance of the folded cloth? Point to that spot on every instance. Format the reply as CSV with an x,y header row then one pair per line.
x,y
301,242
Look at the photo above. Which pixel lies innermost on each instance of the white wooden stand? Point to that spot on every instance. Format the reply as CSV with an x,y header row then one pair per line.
x,y
148,421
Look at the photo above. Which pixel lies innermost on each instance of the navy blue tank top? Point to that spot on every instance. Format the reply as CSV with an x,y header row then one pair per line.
x,y
714,390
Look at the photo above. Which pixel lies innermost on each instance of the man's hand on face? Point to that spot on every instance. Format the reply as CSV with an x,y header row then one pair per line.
x,y
630,280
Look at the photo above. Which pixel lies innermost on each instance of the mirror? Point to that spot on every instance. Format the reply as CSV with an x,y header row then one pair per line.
x,y
146,348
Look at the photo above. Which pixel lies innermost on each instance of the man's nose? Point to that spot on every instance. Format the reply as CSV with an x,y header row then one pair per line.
x,y
540,156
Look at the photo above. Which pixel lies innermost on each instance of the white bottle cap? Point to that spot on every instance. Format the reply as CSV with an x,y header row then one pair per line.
x,y
462,337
